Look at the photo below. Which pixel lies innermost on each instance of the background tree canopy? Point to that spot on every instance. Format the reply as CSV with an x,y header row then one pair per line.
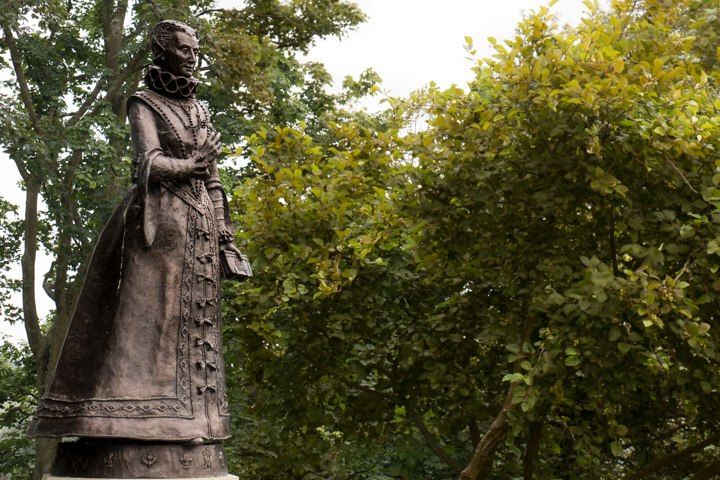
x,y
525,288
513,280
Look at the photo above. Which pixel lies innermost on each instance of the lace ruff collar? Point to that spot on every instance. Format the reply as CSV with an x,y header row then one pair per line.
x,y
173,85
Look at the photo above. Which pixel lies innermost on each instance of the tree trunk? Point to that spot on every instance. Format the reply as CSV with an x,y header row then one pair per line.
x,y
490,440
30,315
531,450
45,449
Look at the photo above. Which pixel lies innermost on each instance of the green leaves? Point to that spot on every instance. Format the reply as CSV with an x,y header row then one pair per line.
x,y
17,403
549,240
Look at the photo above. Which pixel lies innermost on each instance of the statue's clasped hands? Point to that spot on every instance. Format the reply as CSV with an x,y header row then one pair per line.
x,y
203,157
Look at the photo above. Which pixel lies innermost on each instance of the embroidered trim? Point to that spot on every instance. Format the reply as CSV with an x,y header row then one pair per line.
x,y
166,407
181,190
184,342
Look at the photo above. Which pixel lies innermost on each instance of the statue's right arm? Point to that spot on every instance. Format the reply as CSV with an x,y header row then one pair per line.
x,y
146,143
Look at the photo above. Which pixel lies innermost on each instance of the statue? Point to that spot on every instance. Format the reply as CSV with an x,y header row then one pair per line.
x,y
142,361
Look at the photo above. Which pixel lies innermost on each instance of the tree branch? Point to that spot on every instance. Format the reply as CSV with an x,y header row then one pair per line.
x,y
432,442
88,102
212,10
133,65
491,439
114,89
673,458
427,435
496,431
134,34
22,168
111,61
25,391
47,286
22,81
613,242
667,160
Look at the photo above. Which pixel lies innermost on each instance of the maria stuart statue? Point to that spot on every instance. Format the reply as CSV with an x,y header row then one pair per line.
x,y
142,359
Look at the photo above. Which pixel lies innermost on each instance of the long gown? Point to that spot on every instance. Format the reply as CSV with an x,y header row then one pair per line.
x,y
142,358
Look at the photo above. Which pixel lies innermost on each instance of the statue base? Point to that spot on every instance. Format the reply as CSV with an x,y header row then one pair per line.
x,y
106,459
52,477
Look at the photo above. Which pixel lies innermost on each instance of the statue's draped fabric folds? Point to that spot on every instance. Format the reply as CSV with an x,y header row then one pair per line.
x,y
142,358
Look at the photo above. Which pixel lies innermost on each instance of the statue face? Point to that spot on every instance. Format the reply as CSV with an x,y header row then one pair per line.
x,y
181,57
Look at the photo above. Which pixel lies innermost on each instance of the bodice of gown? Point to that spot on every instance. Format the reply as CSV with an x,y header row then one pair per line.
x,y
168,130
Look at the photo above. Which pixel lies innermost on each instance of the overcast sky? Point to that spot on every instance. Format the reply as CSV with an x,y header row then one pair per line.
x,y
409,43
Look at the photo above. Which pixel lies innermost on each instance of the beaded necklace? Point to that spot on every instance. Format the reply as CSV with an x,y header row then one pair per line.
x,y
192,121
191,114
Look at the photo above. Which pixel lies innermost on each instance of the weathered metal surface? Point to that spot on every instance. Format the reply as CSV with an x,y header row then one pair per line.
x,y
96,459
142,358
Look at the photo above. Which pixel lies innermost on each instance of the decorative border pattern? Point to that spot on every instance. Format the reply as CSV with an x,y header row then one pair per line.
x,y
124,408
177,188
97,459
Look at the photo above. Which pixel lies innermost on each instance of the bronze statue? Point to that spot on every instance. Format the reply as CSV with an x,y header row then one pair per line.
x,y
142,359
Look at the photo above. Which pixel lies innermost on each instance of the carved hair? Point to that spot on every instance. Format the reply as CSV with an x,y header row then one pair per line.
x,y
162,35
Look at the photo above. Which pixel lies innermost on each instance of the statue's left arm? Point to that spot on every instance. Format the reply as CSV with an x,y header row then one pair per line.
x,y
216,192
234,264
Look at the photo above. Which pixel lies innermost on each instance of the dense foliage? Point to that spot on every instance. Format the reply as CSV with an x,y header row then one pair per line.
x,y
526,288
18,397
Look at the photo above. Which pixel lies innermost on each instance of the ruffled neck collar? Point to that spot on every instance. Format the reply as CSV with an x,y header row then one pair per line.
x,y
165,82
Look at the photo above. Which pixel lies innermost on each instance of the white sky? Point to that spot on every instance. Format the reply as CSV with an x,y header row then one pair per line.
x,y
409,43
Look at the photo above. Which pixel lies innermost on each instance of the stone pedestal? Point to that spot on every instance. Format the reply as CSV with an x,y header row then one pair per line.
x,y
52,477
99,459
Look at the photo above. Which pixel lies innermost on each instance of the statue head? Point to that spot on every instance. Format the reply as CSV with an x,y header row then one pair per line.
x,y
175,47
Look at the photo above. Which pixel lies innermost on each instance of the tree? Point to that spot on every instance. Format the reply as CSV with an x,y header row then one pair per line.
x,y
526,288
72,66
17,402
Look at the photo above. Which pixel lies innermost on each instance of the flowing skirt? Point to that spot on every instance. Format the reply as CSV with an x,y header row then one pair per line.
x,y
142,358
